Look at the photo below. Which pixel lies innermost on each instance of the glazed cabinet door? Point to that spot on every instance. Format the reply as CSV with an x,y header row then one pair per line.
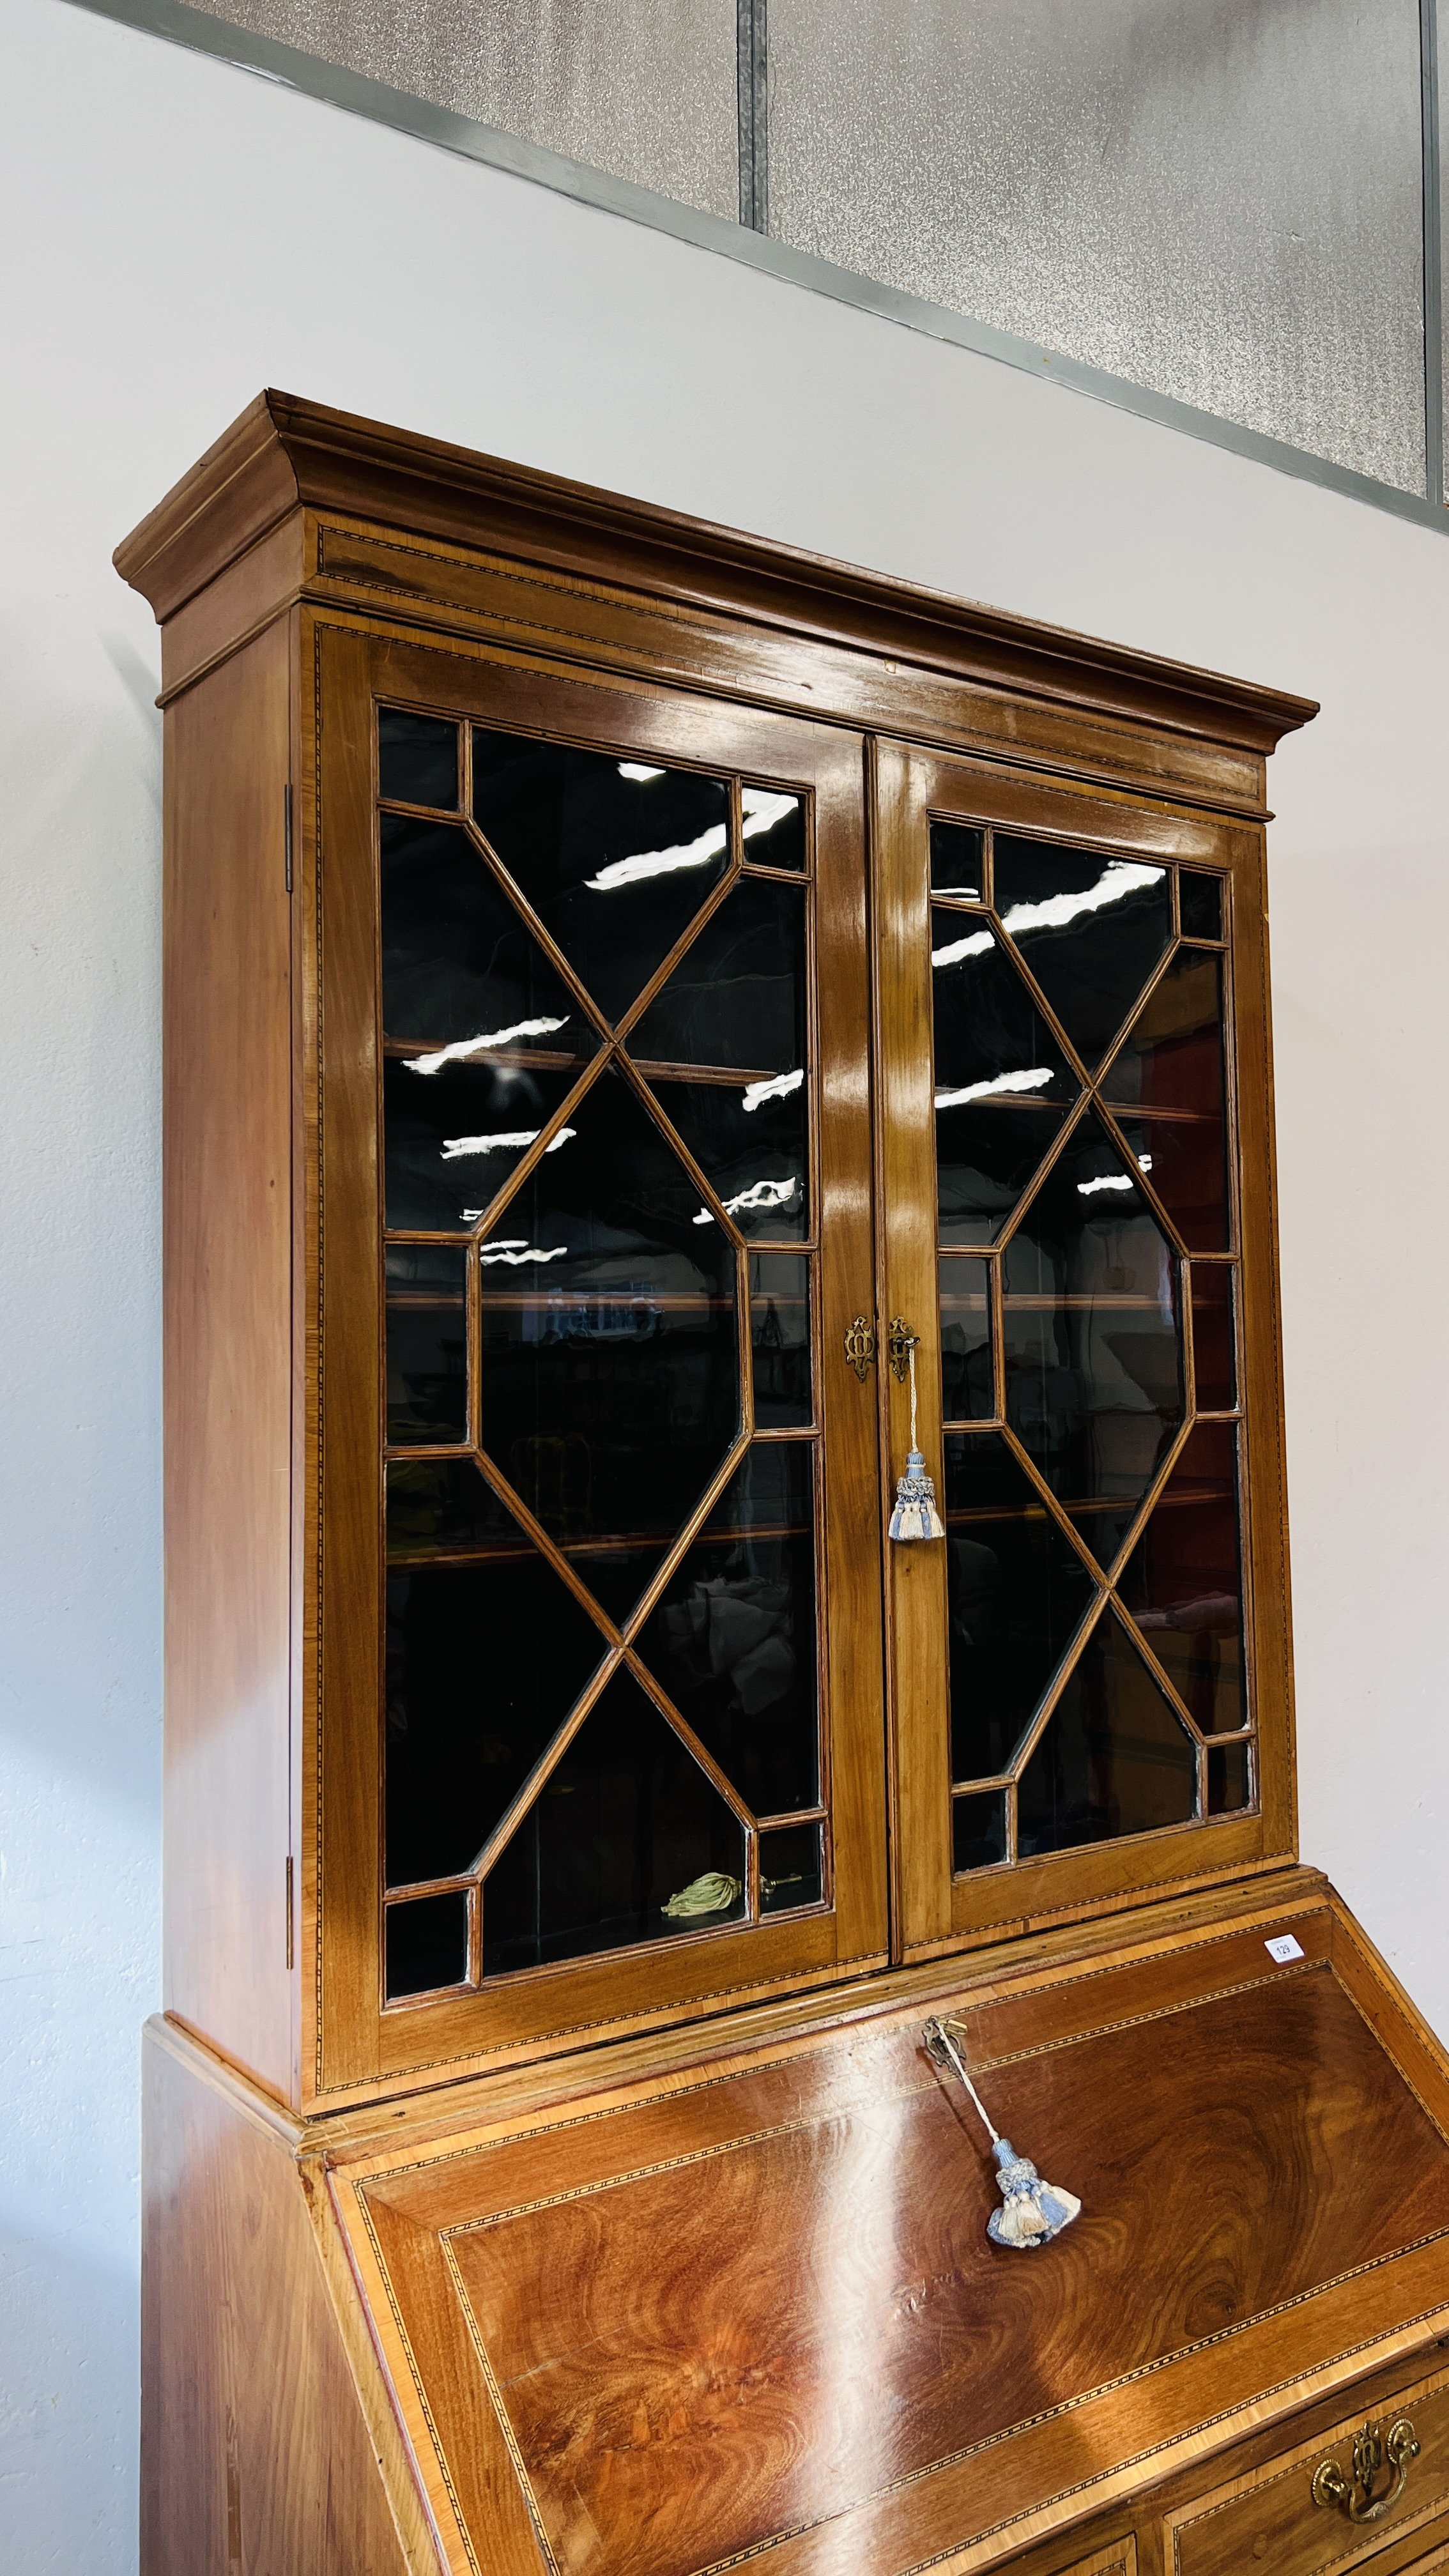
x,y
1088,1678
596,1553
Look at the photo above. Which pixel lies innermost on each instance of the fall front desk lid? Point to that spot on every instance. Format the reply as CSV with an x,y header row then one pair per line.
x,y
748,2310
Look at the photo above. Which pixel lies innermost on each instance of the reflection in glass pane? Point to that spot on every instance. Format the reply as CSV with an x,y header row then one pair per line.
x,y
627,1841
751,1142
978,1830
1114,1757
1092,1338
417,758
451,1142
427,1945
733,1641
610,1365
737,996
440,1507
427,1343
780,1341
1213,1360
1169,1080
1090,928
484,1662
1199,904
967,1392
460,973
986,1153
1017,1592
1183,1581
773,828
790,1872
1001,1080
956,860
615,856
1186,1162
1229,1781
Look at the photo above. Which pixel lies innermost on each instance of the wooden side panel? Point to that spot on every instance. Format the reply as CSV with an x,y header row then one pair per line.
x,y
228,1358
257,2458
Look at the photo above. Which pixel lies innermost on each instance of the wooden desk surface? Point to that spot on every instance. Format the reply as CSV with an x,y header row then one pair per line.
x,y
750,2310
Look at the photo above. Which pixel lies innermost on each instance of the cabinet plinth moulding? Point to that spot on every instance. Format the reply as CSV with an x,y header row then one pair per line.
x,y
624,982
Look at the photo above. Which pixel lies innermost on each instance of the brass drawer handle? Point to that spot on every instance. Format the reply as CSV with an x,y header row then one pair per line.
x,y
1370,2449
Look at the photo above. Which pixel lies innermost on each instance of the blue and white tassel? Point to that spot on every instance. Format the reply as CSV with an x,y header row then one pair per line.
x,y
1034,2211
915,1515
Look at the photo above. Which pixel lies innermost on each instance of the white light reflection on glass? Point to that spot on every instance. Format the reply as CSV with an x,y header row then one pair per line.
x,y
777,1088
462,1048
760,1194
659,863
513,1250
1107,1181
763,810
1000,1084
638,772
1121,877
952,955
503,1140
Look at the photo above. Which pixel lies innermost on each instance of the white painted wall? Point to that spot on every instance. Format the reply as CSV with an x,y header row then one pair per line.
x,y
177,235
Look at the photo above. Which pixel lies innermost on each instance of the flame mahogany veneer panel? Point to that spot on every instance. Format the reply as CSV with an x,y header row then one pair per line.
x,y
744,2309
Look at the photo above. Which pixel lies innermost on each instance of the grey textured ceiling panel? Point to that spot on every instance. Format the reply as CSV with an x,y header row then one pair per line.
x,y
645,89
1220,200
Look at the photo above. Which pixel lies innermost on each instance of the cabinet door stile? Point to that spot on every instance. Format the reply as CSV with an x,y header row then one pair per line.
x,y
342,1258
915,1576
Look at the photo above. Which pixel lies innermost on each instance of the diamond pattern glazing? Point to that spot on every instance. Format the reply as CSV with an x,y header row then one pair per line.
x,y
1095,1612
602,1615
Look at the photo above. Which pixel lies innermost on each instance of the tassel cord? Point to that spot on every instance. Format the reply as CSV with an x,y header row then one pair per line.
x,y
958,2068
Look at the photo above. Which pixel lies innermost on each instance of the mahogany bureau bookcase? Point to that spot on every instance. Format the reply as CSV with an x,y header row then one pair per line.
x,y
656,1026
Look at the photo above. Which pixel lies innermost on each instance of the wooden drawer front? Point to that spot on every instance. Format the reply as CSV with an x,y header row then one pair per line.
x,y
1269,2519
1118,2560
1438,2557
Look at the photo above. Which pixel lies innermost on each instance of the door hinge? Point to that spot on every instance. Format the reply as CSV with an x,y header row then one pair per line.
x,y
289,1909
287,830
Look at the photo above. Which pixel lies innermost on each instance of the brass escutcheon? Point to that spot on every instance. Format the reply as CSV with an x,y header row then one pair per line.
x,y
860,1345
1355,2496
901,1343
